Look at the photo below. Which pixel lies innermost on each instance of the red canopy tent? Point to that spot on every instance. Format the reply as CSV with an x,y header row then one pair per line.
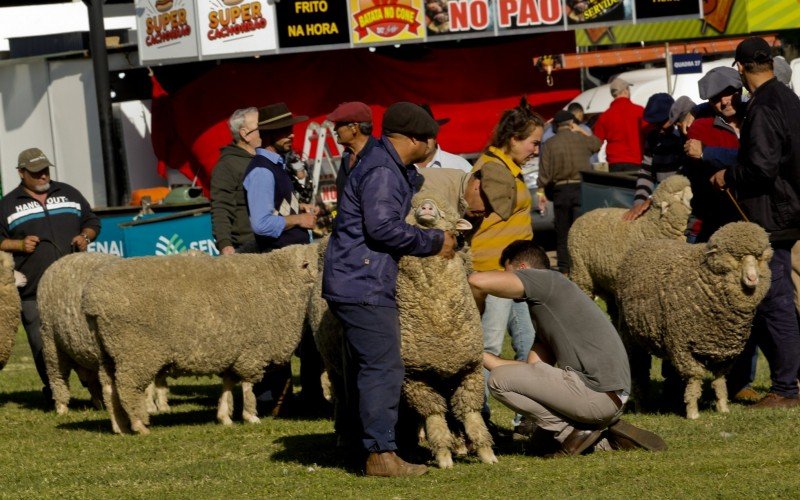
x,y
470,82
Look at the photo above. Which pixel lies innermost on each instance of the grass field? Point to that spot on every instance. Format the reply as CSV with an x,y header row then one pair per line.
x,y
741,454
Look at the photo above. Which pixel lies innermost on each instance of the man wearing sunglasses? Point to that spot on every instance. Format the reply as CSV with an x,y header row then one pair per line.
x,y
42,220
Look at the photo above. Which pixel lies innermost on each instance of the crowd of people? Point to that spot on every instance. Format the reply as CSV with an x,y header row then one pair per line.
x,y
570,379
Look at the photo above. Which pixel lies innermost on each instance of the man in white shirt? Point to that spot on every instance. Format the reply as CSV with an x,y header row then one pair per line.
x,y
438,158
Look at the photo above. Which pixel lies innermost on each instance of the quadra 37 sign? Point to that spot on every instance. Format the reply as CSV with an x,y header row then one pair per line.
x,y
166,29
236,27
376,21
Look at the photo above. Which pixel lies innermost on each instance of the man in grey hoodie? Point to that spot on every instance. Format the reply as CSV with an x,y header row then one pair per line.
x,y
229,220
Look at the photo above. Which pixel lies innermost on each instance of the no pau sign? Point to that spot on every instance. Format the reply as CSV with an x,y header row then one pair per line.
x,y
514,14
236,27
386,20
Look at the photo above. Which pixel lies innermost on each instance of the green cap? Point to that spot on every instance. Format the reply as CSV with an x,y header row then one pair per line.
x,y
33,160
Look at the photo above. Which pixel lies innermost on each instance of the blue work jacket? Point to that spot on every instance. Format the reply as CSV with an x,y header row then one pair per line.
x,y
371,234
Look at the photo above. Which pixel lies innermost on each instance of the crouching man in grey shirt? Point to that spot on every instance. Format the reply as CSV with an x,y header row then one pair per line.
x,y
576,380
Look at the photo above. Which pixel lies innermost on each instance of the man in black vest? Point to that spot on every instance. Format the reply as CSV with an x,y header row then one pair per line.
x,y
279,220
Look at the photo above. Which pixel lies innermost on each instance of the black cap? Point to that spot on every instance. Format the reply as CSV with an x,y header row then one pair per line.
x,y
753,49
657,108
408,119
562,117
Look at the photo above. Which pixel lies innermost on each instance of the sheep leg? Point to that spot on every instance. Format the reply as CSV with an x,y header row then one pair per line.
x,y
432,407
131,382
467,402
721,391
149,396
249,410
120,424
92,382
58,367
225,409
690,397
162,391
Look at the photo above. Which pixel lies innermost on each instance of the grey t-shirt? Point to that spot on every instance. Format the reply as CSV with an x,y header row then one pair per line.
x,y
580,335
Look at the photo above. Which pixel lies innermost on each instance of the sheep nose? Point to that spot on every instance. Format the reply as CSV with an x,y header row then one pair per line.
x,y
751,279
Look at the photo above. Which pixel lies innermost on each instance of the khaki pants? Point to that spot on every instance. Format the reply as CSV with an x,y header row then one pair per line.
x,y
555,399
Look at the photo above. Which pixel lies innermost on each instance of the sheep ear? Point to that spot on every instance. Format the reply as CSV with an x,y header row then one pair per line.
x,y
664,207
463,225
712,250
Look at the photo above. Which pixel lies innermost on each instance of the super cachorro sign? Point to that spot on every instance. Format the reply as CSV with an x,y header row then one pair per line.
x,y
166,29
236,27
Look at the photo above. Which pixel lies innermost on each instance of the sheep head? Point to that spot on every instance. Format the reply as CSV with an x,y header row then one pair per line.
x,y
428,211
742,251
672,205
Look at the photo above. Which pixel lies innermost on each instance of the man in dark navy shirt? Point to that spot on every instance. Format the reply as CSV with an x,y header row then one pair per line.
x,y
41,221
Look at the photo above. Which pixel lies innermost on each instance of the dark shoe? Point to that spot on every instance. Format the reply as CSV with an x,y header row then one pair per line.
x,y
625,436
747,395
773,400
524,429
541,443
388,464
578,441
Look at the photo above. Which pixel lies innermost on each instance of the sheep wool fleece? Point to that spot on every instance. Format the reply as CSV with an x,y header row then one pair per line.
x,y
10,307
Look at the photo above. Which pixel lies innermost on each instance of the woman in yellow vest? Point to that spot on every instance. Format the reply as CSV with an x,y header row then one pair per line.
x,y
507,219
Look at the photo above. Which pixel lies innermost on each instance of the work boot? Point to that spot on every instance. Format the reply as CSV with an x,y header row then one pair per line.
x,y
388,464
626,436
773,400
747,395
578,441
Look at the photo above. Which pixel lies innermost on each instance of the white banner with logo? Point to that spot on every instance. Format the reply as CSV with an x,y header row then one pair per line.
x,y
236,27
166,29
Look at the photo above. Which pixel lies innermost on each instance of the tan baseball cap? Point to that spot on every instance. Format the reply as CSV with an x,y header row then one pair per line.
x,y
33,160
618,84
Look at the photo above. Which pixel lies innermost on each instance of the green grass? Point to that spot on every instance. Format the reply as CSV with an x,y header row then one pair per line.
x,y
744,453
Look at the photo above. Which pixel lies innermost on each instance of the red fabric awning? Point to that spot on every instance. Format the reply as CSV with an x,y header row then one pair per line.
x,y
470,84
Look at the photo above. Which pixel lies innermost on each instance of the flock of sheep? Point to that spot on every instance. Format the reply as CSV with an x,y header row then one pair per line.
x,y
124,325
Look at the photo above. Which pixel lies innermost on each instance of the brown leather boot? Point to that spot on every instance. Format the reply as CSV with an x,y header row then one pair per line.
x,y
626,436
578,441
388,464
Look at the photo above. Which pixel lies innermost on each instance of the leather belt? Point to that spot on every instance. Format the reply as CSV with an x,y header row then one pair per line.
x,y
561,183
614,398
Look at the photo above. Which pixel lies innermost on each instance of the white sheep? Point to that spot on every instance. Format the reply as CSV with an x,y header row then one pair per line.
x,y
694,304
10,307
441,341
599,239
233,316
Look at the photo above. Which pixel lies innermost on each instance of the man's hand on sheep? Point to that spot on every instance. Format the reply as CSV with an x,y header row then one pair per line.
x,y
448,250
309,208
228,250
306,221
636,211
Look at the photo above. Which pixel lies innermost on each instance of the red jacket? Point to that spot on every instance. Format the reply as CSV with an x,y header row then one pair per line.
x,y
705,131
621,126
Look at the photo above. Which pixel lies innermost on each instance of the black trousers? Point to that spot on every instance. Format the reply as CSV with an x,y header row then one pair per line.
x,y
32,325
566,208
624,167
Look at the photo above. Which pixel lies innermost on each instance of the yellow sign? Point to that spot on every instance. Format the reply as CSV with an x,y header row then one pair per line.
x,y
376,21
769,15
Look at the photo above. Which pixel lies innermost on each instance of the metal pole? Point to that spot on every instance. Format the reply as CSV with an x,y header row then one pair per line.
x,y
102,87
668,58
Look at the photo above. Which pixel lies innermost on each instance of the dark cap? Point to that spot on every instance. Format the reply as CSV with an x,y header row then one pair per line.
x,y
563,117
657,108
408,119
682,106
427,108
33,160
753,49
717,80
277,116
351,112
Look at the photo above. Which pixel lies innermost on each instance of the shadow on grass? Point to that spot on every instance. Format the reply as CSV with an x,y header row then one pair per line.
x,y
29,400
318,449
163,420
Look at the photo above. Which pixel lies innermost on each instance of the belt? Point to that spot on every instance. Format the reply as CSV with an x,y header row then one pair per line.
x,y
561,183
614,398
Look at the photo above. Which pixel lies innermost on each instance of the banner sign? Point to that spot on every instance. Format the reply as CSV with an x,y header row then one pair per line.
x,y
376,21
460,17
303,23
769,15
236,27
582,12
166,29
655,9
684,64
521,14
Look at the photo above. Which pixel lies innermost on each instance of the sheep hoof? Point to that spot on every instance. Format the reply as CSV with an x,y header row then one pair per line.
x,y
692,414
225,420
461,450
444,459
486,455
140,428
252,419
61,409
163,408
723,409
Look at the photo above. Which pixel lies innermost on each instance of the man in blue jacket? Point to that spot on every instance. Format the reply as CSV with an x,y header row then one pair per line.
x,y
360,275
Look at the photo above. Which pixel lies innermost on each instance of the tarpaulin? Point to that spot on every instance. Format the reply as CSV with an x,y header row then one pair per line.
x,y
470,83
